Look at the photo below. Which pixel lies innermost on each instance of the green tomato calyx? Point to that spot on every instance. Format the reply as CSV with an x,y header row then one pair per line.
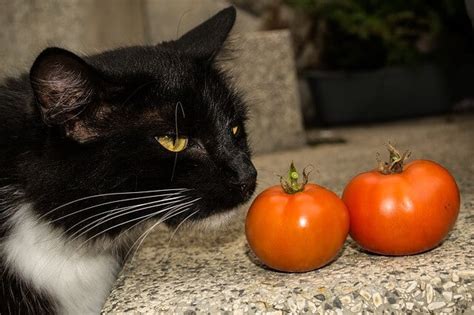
x,y
291,184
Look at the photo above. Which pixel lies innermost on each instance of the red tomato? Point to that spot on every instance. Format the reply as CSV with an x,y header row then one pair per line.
x,y
402,210
297,231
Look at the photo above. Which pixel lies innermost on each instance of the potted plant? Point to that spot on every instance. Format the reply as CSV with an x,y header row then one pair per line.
x,y
374,59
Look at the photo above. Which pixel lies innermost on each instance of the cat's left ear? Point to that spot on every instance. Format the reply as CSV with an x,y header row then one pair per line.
x,y
206,40
65,86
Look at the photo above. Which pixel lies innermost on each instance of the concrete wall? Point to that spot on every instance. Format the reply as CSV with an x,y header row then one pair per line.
x,y
265,70
87,26
84,26
168,19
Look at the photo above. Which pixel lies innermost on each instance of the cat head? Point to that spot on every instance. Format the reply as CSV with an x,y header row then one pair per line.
x,y
138,133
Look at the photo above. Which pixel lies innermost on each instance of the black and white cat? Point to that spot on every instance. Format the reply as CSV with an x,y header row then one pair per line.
x,y
95,148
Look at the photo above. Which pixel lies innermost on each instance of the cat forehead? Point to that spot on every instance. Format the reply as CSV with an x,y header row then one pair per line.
x,y
167,70
161,78
189,112
154,61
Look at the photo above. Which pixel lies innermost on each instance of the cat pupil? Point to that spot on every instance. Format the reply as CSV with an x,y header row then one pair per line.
x,y
176,144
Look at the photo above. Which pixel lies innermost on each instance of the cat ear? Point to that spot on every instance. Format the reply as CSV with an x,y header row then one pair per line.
x,y
205,40
64,85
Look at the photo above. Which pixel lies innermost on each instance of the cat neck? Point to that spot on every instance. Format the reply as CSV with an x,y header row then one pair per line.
x,y
77,281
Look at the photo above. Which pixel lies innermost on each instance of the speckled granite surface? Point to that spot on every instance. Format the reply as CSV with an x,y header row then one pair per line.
x,y
208,273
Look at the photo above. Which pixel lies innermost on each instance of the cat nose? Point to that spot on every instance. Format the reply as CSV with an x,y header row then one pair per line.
x,y
246,188
246,179
240,173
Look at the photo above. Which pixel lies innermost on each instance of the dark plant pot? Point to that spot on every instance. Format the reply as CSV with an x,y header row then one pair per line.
x,y
385,94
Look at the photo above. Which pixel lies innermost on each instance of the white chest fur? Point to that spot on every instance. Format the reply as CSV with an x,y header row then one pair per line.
x,y
79,282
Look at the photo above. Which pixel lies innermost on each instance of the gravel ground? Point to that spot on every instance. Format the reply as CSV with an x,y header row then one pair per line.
x,y
214,272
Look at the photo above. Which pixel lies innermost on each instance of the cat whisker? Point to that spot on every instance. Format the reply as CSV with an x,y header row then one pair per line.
x,y
146,233
176,210
131,220
175,230
178,104
114,212
112,202
128,229
169,215
112,216
179,225
140,219
113,194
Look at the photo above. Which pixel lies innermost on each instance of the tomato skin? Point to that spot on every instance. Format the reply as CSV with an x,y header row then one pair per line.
x,y
297,232
405,213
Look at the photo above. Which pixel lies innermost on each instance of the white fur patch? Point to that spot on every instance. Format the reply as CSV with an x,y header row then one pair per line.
x,y
80,282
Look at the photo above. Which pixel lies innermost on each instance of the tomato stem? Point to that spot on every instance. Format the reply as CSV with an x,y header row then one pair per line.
x,y
397,160
291,185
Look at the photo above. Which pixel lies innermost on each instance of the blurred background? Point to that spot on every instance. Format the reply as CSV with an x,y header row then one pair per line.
x,y
375,60
312,63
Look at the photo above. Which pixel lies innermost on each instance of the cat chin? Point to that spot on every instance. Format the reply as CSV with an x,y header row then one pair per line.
x,y
216,221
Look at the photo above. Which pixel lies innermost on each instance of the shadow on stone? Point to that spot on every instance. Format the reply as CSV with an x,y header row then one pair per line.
x,y
254,259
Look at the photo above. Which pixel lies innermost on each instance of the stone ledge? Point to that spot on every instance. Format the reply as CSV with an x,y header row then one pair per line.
x,y
216,272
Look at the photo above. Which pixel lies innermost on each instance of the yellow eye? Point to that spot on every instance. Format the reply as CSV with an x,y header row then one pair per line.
x,y
235,130
173,144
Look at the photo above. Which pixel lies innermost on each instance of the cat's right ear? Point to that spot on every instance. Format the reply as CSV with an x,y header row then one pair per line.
x,y
63,85
206,40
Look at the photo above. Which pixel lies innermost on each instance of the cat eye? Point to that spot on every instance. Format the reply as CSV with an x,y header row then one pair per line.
x,y
235,130
173,144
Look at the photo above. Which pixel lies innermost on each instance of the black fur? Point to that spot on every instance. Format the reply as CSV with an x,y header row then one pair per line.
x,y
77,127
